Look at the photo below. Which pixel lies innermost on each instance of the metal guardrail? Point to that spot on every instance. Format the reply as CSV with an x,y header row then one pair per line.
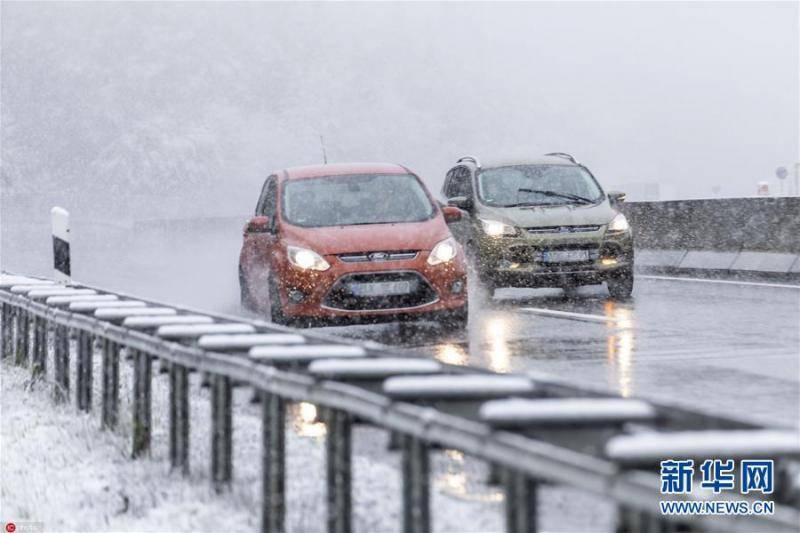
x,y
443,412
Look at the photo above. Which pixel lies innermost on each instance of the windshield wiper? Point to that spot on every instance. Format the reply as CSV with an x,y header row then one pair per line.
x,y
573,197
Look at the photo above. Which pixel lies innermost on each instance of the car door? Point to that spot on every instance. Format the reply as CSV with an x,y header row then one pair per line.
x,y
458,183
261,240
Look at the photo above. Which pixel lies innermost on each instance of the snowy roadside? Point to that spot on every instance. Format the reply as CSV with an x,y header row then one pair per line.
x,y
59,468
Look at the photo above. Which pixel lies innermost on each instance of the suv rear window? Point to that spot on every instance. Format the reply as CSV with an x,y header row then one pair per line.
x,y
356,199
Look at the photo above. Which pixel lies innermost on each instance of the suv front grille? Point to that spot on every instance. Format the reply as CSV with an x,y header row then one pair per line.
x,y
562,229
404,255
342,297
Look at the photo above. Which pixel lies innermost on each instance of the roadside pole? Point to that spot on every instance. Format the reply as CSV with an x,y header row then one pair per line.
x,y
61,254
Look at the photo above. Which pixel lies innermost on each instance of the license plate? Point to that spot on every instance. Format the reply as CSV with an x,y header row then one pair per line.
x,y
380,288
565,256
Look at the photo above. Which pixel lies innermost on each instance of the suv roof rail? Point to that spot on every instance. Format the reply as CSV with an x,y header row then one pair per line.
x,y
564,155
470,158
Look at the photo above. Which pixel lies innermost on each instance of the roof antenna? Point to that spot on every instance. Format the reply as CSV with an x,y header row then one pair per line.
x,y
324,154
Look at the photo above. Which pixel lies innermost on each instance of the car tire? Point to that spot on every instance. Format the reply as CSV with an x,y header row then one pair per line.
x,y
275,313
620,284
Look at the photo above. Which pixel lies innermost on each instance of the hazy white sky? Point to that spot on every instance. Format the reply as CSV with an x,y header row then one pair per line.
x,y
143,98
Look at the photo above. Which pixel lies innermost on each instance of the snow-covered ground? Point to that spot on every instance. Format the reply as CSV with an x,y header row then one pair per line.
x,y
59,468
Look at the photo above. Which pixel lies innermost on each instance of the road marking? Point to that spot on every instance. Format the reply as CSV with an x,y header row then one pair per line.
x,y
567,314
725,281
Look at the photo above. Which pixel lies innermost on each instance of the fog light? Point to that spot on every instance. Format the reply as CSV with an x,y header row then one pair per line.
x,y
457,287
296,296
505,263
608,261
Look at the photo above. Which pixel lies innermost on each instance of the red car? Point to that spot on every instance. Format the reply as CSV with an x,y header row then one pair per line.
x,y
352,243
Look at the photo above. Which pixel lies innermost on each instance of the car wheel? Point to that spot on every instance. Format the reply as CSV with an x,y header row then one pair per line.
x,y
245,299
275,312
620,284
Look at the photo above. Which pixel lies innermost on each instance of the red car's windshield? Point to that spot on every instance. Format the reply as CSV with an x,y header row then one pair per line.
x,y
355,199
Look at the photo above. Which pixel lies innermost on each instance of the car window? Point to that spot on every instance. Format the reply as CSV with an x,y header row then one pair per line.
x,y
459,183
355,199
268,202
537,185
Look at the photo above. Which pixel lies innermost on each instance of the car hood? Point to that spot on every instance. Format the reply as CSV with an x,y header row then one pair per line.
x,y
566,215
369,237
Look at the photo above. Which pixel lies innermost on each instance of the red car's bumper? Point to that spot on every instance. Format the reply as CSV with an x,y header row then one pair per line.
x,y
314,294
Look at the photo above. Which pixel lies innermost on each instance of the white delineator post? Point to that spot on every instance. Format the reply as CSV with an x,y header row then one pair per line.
x,y
61,256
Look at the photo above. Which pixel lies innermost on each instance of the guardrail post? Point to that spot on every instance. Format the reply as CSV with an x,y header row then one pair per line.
x,y
61,363
39,356
339,474
179,417
8,331
23,338
273,442
142,377
110,384
221,432
521,495
416,483
83,387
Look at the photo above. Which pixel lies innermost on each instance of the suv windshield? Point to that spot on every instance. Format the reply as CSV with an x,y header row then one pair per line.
x,y
355,199
537,185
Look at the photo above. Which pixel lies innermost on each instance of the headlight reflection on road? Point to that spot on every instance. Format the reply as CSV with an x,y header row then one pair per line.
x,y
304,417
620,346
452,354
454,481
496,333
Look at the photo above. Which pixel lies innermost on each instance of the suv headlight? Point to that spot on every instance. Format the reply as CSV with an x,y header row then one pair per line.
x,y
619,224
306,259
494,228
443,252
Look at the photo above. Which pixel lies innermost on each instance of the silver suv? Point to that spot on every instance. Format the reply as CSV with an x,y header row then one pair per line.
x,y
545,222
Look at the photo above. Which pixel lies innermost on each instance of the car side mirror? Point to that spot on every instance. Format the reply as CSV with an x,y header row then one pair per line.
x,y
616,197
461,202
259,224
451,213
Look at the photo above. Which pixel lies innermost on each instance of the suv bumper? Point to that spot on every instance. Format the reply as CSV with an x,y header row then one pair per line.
x,y
517,262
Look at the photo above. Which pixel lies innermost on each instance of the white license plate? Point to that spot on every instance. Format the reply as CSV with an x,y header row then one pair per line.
x,y
565,256
380,288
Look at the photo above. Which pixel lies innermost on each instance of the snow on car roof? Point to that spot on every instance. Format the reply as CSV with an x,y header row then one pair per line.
x,y
342,169
375,367
557,410
542,160
735,443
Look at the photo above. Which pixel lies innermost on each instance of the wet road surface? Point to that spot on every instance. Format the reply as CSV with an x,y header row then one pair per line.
x,y
724,348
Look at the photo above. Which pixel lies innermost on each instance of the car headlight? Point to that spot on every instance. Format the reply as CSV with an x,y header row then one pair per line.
x,y
443,252
494,228
619,223
306,259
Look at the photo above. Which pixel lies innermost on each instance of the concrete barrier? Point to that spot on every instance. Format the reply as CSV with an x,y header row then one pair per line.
x,y
740,236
